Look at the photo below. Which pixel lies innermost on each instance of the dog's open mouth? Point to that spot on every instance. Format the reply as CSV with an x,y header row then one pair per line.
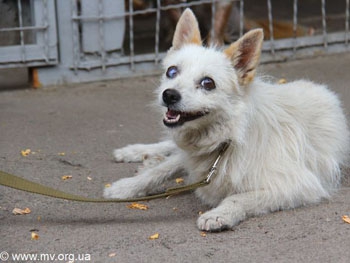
x,y
174,118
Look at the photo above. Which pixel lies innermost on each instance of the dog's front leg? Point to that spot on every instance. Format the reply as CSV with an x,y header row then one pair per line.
x,y
232,210
139,152
144,182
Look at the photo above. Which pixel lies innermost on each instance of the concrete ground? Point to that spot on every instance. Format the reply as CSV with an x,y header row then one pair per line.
x,y
73,130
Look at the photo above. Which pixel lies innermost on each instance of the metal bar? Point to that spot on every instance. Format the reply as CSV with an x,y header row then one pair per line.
x,y
89,65
52,43
212,30
156,44
23,51
306,42
29,63
75,34
285,55
324,23
272,42
25,28
11,54
241,17
347,10
131,35
295,25
101,35
46,36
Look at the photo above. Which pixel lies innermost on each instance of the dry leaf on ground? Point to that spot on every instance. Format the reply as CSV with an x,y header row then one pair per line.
x,y
25,152
153,237
179,180
137,206
346,219
19,211
66,177
35,236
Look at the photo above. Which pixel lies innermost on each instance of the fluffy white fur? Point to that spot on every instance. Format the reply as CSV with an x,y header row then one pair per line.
x,y
288,141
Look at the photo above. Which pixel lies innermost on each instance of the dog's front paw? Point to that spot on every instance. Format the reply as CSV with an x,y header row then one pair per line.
x,y
220,219
128,154
124,188
213,222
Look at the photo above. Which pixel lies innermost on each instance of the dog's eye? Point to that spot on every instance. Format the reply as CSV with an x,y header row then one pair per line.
x,y
207,83
172,72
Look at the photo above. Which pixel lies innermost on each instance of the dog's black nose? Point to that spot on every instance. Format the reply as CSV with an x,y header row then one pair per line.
x,y
171,96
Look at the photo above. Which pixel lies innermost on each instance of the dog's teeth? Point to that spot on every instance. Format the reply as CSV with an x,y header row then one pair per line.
x,y
172,120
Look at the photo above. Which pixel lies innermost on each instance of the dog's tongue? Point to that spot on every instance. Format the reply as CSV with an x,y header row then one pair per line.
x,y
172,114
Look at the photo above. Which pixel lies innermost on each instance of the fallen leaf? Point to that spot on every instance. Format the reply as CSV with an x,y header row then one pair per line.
x,y
19,211
203,234
66,177
346,219
137,206
153,237
179,180
25,152
61,154
107,185
35,236
282,81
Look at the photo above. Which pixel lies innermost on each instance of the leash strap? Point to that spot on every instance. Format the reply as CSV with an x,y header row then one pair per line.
x,y
22,184
19,183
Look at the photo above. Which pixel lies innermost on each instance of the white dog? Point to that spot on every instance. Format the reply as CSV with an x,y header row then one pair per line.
x,y
287,141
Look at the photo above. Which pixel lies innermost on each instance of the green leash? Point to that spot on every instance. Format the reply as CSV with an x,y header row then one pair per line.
x,y
19,183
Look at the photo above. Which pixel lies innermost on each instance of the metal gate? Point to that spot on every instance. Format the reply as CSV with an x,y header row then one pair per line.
x,y
108,39
28,33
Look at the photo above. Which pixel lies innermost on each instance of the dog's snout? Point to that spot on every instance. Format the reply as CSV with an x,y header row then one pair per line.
x,y
171,96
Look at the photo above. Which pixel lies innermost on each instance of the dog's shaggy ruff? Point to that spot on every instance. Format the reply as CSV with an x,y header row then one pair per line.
x,y
288,141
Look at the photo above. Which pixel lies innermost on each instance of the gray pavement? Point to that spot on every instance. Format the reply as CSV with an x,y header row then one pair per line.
x,y
73,130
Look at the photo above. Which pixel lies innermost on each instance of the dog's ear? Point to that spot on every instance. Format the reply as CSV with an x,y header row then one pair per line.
x,y
187,30
245,55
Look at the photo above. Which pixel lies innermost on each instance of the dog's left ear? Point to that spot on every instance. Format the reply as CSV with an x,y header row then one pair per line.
x,y
187,30
245,55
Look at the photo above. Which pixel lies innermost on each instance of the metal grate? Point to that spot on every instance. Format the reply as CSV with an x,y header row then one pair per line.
x,y
274,49
106,39
27,33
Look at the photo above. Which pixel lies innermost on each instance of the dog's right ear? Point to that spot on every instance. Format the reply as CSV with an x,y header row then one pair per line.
x,y
187,31
245,55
